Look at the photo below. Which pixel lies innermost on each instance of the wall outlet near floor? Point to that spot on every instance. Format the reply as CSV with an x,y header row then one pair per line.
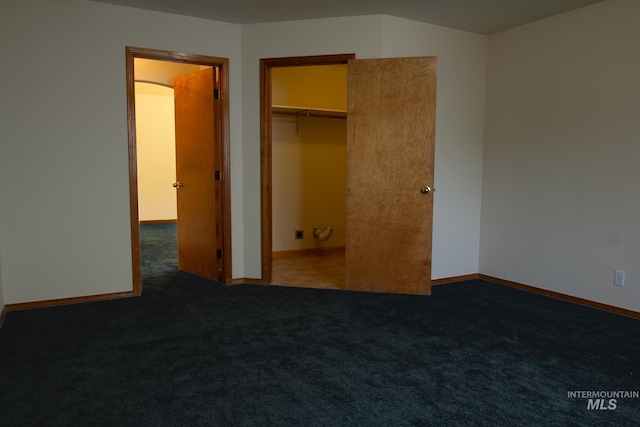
x,y
618,278
299,234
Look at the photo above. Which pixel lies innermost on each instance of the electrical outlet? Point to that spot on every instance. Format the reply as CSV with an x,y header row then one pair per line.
x,y
618,278
299,234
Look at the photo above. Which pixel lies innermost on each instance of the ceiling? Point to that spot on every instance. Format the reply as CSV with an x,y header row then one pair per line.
x,y
478,16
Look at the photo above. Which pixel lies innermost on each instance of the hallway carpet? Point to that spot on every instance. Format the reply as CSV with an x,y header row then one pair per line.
x,y
158,249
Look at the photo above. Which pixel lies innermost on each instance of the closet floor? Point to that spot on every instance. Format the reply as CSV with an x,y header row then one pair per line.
x,y
309,271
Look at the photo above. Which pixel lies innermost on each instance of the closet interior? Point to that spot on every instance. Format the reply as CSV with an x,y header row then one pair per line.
x,y
309,172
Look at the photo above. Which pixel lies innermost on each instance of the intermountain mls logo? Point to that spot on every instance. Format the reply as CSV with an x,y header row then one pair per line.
x,y
603,400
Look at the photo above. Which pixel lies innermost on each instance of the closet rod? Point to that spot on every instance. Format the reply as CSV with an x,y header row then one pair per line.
x,y
309,113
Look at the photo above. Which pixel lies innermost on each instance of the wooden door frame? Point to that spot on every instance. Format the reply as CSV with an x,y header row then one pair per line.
x,y
224,208
266,195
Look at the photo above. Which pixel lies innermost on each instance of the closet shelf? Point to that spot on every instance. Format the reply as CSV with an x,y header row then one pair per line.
x,y
287,110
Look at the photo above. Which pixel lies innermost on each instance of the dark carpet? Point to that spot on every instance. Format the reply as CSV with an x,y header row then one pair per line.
x,y
192,352
158,249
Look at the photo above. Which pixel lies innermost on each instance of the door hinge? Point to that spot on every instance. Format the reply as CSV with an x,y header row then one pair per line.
x,y
219,254
216,94
217,175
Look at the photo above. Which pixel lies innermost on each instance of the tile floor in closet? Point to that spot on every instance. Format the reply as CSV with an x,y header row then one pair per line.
x,y
309,271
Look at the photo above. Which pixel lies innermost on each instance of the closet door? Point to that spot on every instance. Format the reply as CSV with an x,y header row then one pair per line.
x,y
390,151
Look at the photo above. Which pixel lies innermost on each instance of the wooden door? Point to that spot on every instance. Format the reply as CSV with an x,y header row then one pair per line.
x,y
197,159
390,150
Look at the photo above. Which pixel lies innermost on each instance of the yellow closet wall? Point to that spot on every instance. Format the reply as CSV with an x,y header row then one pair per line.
x,y
322,87
309,157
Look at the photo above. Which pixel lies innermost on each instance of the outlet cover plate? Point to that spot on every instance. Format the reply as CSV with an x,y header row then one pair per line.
x,y
618,278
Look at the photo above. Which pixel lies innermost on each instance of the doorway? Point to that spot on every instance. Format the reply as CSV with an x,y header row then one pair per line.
x,y
390,165
309,175
302,258
211,143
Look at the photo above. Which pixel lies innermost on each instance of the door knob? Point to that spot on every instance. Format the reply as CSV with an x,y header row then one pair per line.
x,y
425,190
177,184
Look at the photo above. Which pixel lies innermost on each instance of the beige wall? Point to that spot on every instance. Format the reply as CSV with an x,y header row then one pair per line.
x,y
156,153
560,203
